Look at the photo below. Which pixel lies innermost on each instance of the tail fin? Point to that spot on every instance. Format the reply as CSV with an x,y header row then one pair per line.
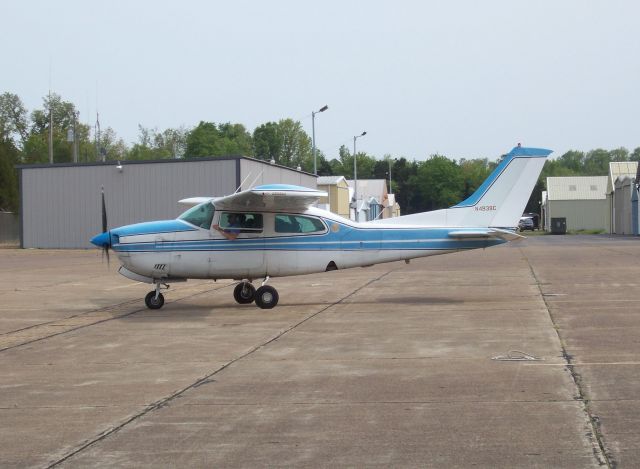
x,y
498,202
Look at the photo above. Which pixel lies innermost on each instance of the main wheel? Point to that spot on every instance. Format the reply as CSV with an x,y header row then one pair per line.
x,y
152,302
244,293
266,297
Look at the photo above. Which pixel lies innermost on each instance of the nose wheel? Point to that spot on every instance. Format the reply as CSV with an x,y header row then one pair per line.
x,y
155,299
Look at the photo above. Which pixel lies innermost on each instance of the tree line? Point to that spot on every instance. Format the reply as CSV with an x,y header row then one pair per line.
x,y
434,183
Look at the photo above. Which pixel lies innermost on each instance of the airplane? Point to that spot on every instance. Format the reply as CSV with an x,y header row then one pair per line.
x,y
274,230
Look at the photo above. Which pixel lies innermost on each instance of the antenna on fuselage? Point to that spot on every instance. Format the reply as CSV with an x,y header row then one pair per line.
x,y
243,181
256,178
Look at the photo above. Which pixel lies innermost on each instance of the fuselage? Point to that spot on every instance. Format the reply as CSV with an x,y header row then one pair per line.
x,y
275,244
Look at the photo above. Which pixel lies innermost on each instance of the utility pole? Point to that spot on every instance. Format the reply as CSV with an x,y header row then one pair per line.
x,y
355,172
76,140
313,136
50,131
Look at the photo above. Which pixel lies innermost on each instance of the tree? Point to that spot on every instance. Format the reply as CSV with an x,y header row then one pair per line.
x,y
295,145
154,145
439,182
9,157
209,139
473,172
407,196
13,119
267,142
36,145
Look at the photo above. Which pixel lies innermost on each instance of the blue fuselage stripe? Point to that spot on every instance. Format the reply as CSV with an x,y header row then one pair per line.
x,y
348,238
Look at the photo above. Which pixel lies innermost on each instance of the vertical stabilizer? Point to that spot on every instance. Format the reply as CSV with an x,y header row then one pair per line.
x,y
498,202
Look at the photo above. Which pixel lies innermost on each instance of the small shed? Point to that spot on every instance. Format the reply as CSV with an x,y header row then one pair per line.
x,y
338,194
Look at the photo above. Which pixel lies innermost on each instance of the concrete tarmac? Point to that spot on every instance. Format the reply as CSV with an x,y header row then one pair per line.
x,y
389,366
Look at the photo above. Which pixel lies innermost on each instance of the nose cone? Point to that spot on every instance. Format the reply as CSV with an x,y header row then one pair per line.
x,y
101,240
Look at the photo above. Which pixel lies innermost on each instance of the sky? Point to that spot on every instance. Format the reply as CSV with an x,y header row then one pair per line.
x,y
465,79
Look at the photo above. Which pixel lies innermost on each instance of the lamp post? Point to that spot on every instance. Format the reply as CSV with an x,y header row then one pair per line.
x,y
313,136
355,172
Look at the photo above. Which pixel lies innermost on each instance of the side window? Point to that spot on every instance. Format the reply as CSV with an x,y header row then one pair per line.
x,y
200,215
298,224
241,222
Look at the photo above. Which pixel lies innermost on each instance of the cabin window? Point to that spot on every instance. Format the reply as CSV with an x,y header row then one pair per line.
x,y
241,222
298,224
200,215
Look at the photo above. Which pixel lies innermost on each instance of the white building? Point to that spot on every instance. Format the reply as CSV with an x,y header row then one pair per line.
x,y
580,200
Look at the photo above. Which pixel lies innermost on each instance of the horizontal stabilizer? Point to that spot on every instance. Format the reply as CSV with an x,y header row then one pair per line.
x,y
488,233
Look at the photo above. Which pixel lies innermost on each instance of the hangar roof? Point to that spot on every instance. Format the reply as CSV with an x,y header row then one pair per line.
x,y
577,188
329,180
620,168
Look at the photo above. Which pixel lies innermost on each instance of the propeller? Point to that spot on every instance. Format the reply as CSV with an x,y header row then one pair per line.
x,y
106,245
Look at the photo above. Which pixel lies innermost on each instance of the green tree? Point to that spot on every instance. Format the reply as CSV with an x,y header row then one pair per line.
x,y
439,182
154,145
473,172
36,145
267,141
295,147
9,157
13,119
209,139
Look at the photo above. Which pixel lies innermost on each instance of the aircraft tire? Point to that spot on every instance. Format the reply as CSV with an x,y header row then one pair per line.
x,y
266,297
151,301
244,297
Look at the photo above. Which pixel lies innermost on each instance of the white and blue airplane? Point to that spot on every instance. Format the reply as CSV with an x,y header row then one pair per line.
x,y
274,231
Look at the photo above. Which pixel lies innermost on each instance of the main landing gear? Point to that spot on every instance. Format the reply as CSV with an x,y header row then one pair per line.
x,y
266,297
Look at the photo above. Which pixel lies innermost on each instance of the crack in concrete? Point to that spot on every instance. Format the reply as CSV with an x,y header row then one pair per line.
x,y
167,400
602,455
84,316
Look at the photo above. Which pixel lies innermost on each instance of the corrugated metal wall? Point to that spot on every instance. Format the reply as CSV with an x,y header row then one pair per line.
x,y
581,214
622,209
61,205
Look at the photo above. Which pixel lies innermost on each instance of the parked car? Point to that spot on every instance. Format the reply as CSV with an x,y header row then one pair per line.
x,y
525,223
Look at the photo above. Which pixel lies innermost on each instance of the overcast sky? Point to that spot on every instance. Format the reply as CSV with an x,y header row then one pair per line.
x,y
462,78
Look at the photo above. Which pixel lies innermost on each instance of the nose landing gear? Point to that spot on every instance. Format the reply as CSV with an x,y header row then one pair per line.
x,y
155,299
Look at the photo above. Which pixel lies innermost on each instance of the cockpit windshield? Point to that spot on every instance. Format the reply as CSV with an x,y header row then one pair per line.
x,y
200,215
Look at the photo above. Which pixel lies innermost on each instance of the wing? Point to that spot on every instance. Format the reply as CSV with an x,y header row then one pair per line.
x,y
196,200
276,197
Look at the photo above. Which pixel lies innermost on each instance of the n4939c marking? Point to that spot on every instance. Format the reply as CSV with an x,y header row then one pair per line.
x,y
485,208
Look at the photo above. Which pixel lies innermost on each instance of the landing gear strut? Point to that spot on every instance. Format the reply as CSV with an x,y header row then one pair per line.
x,y
155,299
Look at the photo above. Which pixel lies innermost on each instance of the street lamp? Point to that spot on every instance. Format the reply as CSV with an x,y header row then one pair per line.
x,y
313,135
355,171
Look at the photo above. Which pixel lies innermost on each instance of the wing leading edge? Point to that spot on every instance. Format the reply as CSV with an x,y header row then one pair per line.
x,y
275,197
